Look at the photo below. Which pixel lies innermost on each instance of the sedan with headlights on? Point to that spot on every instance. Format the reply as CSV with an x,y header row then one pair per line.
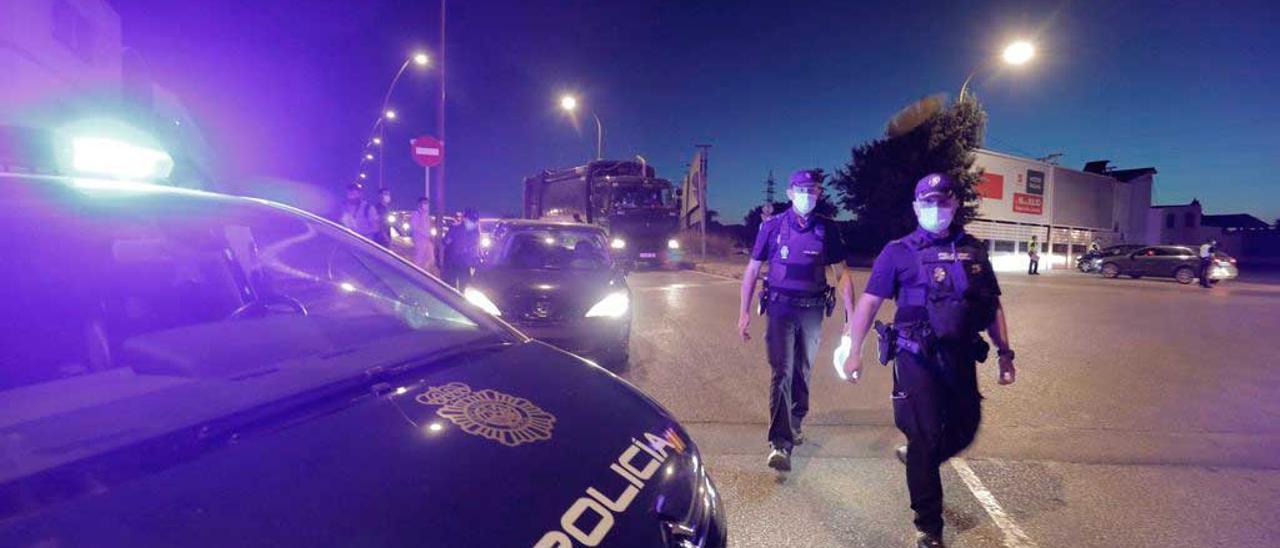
x,y
558,283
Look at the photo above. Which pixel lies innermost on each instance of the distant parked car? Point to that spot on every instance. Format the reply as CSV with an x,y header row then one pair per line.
x,y
1179,262
1092,261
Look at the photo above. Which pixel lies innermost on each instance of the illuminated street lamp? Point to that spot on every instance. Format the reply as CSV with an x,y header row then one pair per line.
x,y
1017,53
379,128
368,156
569,104
377,140
390,114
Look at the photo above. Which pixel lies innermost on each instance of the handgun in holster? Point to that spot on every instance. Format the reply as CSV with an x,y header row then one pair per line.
x,y
764,297
886,342
830,301
981,349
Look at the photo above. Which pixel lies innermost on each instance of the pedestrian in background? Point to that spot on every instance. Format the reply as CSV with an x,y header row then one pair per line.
x,y
358,214
382,210
946,293
462,250
1033,251
424,245
800,248
1207,252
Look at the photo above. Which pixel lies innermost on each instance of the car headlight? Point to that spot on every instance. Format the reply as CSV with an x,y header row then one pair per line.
x,y
478,298
618,243
486,242
673,244
613,306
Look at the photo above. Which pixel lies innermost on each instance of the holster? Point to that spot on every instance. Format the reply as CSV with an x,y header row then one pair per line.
x,y
886,342
830,305
764,297
981,349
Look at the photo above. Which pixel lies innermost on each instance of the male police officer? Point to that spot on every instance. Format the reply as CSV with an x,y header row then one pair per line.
x,y
1207,251
462,250
799,247
946,293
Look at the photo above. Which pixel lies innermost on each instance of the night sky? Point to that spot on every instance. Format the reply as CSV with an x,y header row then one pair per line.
x,y
287,89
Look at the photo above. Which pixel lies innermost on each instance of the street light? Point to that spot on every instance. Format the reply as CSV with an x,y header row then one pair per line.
x,y
569,104
368,156
377,140
421,59
1017,53
379,128
390,114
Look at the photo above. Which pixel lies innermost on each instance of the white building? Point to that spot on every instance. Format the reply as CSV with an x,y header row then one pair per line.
x,y
1065,208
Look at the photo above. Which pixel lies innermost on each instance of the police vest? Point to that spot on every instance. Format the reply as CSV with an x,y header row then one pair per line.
x,y
957,291
797,264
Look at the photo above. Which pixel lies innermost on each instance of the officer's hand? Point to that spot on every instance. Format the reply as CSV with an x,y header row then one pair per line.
x,y
852,368
1008,373
744,326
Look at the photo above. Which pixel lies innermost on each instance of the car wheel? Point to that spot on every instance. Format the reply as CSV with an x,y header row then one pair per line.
x,y
1110,270
1184,275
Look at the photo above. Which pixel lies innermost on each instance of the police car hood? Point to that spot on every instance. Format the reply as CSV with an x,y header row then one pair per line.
x,y
499,449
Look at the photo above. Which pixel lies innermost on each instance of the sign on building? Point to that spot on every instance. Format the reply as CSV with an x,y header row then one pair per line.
x,y
1035,182
1027,203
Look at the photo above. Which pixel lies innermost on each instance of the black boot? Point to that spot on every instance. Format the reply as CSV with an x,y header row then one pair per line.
x,y
925,540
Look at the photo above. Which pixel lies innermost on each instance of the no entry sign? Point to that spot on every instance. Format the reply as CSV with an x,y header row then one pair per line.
x,y
427,151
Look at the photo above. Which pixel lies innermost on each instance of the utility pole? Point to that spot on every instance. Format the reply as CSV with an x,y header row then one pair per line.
x,y
702,193
440,206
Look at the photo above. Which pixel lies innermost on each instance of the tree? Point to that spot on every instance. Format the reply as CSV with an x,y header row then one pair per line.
x,y
876,185
755,217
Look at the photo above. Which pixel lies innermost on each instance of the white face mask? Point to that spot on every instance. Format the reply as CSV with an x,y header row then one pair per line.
x,y
803,202
933,218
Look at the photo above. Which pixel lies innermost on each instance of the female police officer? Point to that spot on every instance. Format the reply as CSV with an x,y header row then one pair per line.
x,y
946,293
800,247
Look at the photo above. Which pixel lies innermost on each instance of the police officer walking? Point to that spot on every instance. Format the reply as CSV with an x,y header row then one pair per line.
x,y
946,293
1207,251
799,247
1033,252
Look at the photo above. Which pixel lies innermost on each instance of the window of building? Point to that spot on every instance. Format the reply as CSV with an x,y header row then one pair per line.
x,y
1189,219
1005,246
1060,249
1169,219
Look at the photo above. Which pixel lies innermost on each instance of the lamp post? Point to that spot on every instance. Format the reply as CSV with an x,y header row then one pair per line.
x,y
419,59
1017,53
569,104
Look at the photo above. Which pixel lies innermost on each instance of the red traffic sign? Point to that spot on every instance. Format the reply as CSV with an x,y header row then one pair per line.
x,y
427,151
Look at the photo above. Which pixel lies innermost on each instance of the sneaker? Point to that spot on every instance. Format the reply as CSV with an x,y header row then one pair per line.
x,y
925,540
901,453
779,459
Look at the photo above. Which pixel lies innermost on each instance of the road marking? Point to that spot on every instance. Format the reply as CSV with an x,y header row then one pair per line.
x,y
721,276
1013,535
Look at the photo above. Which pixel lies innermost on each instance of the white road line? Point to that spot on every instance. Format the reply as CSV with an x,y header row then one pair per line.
x,y
1013,535
722,277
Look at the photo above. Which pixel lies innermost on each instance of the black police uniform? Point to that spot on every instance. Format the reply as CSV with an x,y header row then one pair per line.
x,y
946,293
461,253
796,285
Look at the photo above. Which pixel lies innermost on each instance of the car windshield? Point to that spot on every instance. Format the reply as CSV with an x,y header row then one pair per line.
x,y
629,197
132,314
554,249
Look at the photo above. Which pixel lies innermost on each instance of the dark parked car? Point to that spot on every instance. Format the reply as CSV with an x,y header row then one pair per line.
x,y
187,369
1181,263
558,282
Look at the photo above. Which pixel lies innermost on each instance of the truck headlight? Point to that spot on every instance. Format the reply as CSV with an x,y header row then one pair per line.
x,y
673,244
618,243
478,298
612,306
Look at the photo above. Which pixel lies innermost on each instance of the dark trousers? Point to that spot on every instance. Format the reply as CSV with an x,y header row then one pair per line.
x,y
936,404
1205,264
457,276
1034,267
791,340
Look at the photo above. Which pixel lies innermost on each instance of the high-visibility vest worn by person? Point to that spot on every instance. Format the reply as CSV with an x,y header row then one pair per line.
x,y
797,262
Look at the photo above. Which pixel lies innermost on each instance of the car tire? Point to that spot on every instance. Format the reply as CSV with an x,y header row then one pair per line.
x,y
1184,275
1110,270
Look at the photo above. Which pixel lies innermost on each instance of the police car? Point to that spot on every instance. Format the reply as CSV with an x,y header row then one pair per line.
x,y
183,368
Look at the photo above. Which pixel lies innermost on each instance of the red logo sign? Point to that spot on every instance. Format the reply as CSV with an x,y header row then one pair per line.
x,y
427,151
1028,203
991,186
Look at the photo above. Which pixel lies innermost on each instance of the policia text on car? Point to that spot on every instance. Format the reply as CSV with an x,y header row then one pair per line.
x,y
800,247
946,294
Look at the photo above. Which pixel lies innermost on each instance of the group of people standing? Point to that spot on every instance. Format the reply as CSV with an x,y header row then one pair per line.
x,y
946,295
454,260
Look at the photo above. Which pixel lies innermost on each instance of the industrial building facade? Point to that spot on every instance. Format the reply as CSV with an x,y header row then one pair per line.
x,y
1066,209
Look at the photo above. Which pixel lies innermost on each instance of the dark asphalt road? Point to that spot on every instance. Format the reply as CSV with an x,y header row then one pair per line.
x,y
1145,414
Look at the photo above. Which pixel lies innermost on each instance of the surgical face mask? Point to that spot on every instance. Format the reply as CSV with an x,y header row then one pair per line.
x,y
470,225
386,199
803,202
934,218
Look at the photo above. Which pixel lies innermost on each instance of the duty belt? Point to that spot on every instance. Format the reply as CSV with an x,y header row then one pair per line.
x,y
807,301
